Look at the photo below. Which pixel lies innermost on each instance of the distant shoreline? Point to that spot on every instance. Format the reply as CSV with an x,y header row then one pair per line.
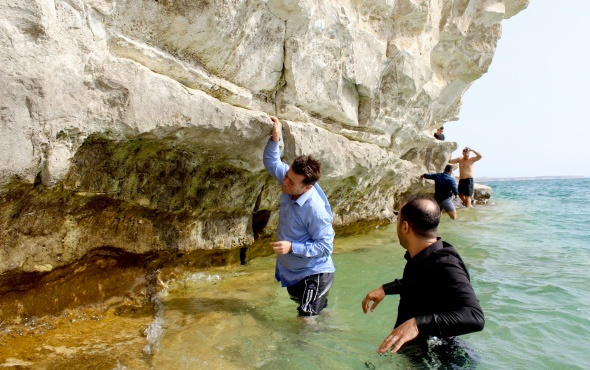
x,y
483,179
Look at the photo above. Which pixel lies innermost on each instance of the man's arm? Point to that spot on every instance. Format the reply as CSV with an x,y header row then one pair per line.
x,y
276,129
399,336
395,287
429,176
272,153
321,232
466,315
321,243
376,295
477,155
454,160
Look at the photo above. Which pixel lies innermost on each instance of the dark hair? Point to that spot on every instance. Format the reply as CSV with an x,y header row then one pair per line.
x,y
309,167
449,168
422,213
442,127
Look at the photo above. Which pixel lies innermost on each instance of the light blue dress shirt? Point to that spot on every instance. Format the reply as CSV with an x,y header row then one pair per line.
x,y
306,222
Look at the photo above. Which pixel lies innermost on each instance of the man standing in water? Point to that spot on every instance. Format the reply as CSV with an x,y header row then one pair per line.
x,y
436,297
305,235
445,188
466,174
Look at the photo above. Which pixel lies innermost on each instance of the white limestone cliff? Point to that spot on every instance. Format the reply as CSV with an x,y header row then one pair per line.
x,y
87,84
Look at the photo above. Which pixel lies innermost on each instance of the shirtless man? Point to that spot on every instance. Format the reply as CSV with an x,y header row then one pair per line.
x,y
466,174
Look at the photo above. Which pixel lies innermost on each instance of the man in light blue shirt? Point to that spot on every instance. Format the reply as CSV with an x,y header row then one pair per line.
x,y
305,236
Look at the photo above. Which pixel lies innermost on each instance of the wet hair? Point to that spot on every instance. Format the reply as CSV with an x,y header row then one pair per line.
x,y
309,167
422,213
449,168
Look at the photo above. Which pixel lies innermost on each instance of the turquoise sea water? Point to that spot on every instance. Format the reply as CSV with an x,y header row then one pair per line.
x,y
529,258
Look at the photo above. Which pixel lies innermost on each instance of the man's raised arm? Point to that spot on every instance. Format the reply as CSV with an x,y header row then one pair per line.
x,y
276,129
477,155
272,153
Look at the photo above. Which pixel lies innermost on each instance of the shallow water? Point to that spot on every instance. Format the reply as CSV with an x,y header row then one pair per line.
x,y
529,258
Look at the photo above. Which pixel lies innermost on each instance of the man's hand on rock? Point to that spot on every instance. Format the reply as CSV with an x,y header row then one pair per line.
x,y
276,129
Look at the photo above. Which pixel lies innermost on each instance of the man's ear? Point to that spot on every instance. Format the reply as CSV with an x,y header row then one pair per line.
x,y
307,188
405,226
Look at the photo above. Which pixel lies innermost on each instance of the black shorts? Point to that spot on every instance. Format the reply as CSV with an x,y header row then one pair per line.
x,y
466,187
311,293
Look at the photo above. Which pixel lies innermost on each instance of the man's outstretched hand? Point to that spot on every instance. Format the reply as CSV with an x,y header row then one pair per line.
x,y
400,336
375,296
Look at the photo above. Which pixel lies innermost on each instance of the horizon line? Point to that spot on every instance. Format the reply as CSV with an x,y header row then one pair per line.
x,y
547,177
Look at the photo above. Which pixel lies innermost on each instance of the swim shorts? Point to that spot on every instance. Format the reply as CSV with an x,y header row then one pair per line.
x,y
447,205
466,187
311,293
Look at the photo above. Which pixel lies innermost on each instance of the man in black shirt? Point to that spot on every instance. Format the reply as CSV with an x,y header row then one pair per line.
x,y
436,297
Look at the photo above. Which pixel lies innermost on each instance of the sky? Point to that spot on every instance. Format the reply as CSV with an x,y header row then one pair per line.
x,y
529,114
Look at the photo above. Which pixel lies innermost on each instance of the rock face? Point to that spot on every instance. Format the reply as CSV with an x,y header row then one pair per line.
x,y
139,125
482,193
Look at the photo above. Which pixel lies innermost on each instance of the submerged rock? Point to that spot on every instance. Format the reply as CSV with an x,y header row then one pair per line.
x,y
482,193
138,126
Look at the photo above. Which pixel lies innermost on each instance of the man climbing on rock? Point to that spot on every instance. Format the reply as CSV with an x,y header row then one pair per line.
x,y
305,235
445,188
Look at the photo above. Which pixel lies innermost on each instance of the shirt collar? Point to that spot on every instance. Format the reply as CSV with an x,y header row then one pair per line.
x,y
304,197
426,252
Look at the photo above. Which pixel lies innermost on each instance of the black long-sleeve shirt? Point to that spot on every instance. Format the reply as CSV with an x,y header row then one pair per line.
x,y
436,290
